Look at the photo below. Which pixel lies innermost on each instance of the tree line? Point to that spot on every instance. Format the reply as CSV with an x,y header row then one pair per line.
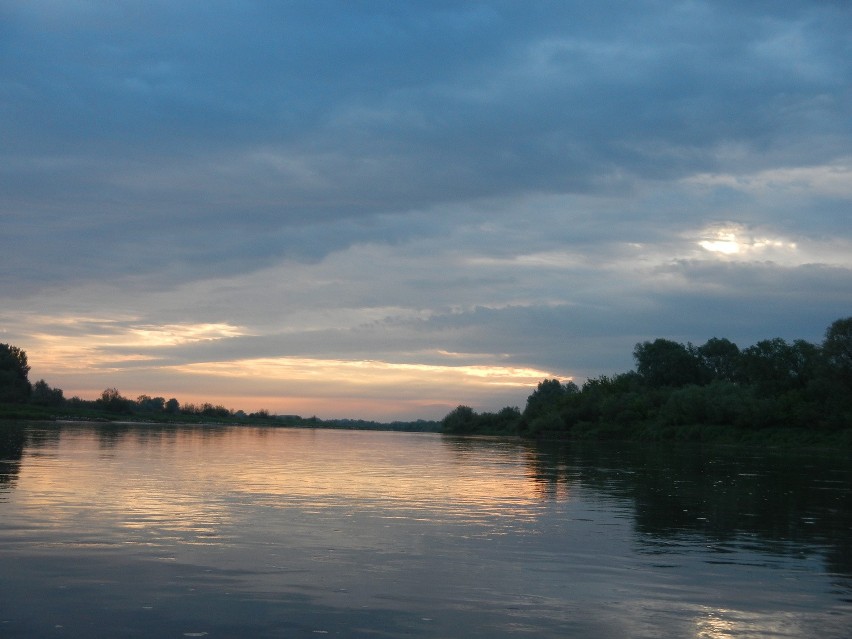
x,y
20,399
17,390
712,391
676,390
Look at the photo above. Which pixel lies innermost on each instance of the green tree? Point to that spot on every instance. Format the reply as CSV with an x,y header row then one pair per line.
x,y
460,420
775,365
720,357
667,363
720,403
507,420
209,410
44,395
14,370
837,348
113,402
547,397
148,404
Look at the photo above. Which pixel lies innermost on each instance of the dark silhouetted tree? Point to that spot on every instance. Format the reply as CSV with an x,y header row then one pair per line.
x,y
546,397
148,404
837,348
775,365
44,395
720,357
667,363
14,370
695,393
209,410
462,419
113,402
507,418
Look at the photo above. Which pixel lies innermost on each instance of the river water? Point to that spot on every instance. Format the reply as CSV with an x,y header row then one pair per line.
x,y
148,531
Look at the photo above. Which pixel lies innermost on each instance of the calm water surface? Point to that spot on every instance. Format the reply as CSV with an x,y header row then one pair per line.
x,y
128,531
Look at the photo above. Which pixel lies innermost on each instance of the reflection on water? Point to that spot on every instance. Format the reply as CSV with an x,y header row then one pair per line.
x,y
238,531
12,442
780,502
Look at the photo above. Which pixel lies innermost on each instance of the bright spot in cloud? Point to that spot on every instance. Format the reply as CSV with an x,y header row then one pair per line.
x,y
174,334
726,244
735,239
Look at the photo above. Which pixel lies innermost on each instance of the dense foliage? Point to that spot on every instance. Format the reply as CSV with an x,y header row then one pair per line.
x,y
15,386
692,392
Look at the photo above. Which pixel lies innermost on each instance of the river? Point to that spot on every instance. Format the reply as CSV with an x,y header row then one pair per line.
x,y
119,530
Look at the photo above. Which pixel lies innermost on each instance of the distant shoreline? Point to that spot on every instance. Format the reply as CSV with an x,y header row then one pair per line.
x,y
764,439
30,413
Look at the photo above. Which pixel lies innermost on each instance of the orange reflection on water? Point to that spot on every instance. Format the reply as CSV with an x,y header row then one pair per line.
x,y
94,485
723,623
161,485
390,471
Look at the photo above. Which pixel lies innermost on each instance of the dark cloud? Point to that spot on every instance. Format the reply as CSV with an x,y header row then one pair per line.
x,y
490,177
501,97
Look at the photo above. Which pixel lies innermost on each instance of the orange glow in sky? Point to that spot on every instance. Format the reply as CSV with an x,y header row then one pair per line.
x,y
137,359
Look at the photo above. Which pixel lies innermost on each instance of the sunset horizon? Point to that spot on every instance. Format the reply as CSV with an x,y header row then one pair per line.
x,y
382,210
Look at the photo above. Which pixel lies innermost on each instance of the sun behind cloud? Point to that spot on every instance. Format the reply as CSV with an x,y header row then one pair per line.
x,y
736,239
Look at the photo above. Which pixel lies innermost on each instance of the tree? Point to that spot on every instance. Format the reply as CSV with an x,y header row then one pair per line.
x,y
667,363
112,401
209,410
837,348
44,395
172,406
775,366
546,397
14,384
462,419
148,404
720,357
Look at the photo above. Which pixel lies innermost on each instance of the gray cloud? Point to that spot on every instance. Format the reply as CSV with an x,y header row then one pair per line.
x,y
383,179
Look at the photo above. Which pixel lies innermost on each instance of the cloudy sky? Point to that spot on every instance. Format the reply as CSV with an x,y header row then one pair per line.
x,y
385,209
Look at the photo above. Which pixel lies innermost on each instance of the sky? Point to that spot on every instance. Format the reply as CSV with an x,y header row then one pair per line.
x,y
382,210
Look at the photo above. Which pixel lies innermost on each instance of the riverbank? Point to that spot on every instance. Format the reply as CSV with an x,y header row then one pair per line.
x,y
701,433
788,438
30,412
